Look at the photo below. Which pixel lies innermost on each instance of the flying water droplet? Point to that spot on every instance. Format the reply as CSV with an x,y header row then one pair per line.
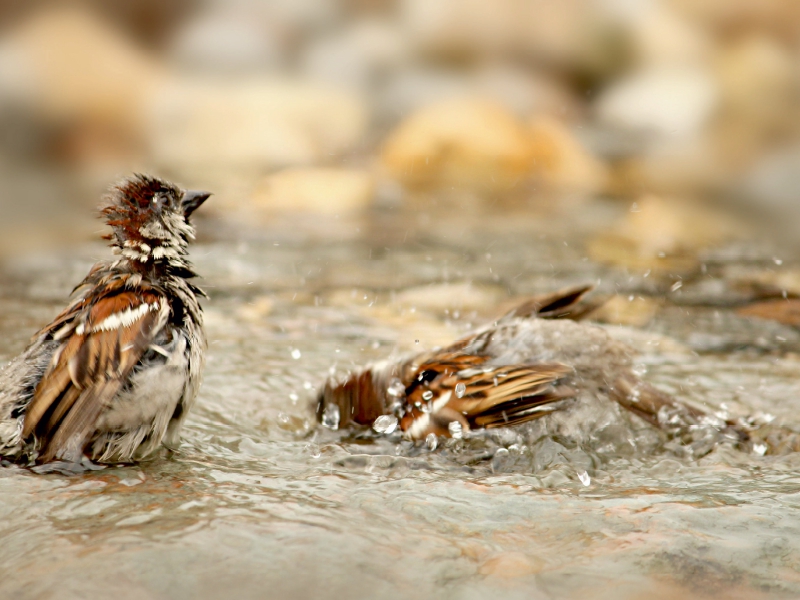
x,y
396,406
431,441
330,417
584,477
296,354
313,450
461,389
455,429
396,388
427,395
385,424
760,449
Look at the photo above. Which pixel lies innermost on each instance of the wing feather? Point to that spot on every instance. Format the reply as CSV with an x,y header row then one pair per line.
x,y
490,397
108,338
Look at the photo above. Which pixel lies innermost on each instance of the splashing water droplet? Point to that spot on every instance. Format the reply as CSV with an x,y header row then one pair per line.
x,y
461,389
330,417
584,477
455,429
385,424
427,395
313,450
396,406
396,388
431,441
296,354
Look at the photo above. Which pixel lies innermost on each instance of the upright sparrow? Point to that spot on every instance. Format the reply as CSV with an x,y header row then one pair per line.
x,y
114,375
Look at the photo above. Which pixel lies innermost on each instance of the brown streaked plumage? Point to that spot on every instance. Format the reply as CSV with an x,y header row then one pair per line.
x,y
113,376
536,360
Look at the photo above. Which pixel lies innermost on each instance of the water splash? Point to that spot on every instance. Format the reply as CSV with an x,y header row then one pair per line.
x,y
385,424
431,441
330,417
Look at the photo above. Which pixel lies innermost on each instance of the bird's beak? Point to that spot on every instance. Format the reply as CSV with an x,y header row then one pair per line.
x,y
192,200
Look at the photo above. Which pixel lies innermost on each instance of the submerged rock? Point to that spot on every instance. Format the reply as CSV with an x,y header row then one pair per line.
x,y
252,123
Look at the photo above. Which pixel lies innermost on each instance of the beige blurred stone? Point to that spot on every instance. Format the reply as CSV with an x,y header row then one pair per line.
x,y
758,79
765,282
254,123
781,17
476,143
662,36
460,142
461,296
662,233
256,309
511,565
561,162
69,67
672,101
320,190
673,166
633,311
783,311
519,89
475,28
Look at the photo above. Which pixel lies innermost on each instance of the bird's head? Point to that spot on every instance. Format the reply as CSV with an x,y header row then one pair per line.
x,y
149,218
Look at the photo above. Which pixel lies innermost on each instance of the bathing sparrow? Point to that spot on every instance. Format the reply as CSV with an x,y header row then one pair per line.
x,y
113,376
534,361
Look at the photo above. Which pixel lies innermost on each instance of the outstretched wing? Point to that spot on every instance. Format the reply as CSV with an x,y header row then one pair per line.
x,y
103,337
481,397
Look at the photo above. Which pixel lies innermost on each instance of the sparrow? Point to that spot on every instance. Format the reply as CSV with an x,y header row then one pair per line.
x,y
539,359
113,377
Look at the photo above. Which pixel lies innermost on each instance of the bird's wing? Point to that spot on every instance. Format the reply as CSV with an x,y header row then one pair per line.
x,y
568,303
103,336
481,397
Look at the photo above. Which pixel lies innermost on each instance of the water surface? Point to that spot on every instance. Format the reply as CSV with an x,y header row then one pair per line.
x,y
262,502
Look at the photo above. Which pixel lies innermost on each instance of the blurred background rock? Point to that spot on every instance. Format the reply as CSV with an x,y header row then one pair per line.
x,y
340,106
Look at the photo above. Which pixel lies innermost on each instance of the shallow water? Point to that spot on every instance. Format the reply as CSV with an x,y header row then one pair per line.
x,y
262,502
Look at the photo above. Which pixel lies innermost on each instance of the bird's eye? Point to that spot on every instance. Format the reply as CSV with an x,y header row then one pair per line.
x,y
158,201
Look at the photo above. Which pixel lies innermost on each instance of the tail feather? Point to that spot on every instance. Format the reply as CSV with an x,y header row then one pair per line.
x,y
667,413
